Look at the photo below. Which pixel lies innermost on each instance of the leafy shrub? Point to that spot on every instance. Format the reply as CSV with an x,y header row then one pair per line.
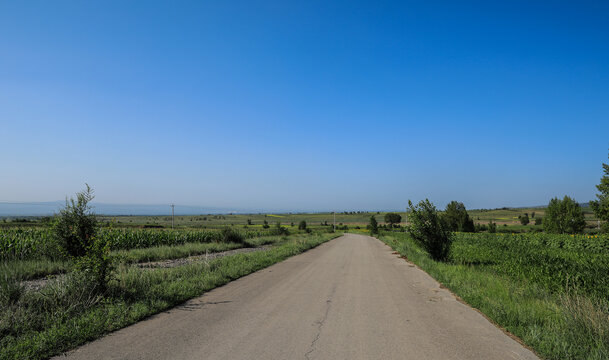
x,y
302,225
457,219
429,230
524,219
280,230
374,226
75,226
230,235
492,227
564,217
393,218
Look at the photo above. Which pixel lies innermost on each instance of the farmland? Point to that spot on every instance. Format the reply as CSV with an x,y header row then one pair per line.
x,y
506,219
549,290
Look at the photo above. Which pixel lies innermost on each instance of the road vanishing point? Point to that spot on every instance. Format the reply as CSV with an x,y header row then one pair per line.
x,y
350,298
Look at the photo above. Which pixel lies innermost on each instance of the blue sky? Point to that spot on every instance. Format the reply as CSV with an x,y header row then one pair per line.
x,y
304,105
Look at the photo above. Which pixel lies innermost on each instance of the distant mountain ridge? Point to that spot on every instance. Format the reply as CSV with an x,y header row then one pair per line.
x,y
47,208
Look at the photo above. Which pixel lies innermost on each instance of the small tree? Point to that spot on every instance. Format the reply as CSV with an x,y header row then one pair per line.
x,y
374,226
429,230
564,217
280,230
456,217
302,225
601,206
75,230
265,224
538,221
492,227
76,225
392,219
524,219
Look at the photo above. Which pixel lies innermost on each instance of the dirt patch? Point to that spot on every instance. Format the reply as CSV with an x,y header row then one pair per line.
x,y
38,284
205,257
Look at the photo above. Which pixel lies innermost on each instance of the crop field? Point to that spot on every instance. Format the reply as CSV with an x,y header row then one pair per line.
x,y
505,218
552,291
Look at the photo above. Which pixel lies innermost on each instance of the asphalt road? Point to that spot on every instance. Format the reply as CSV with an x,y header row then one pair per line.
x,y
350,298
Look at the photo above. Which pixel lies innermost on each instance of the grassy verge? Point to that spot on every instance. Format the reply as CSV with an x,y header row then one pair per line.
x,y
37,325
562,325
33,269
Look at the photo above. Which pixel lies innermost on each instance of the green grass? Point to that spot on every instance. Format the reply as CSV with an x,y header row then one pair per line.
x,y
558,325
32,269
37,325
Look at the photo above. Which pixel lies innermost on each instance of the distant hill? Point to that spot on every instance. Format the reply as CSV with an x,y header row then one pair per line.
x,y
10,209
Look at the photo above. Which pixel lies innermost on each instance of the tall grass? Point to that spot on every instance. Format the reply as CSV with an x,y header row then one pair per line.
x,y
31,244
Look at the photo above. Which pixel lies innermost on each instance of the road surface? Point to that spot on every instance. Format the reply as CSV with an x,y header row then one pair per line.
x,y
350,298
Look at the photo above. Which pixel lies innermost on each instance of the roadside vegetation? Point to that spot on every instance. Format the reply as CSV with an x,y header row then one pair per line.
x,y
549,289
95,289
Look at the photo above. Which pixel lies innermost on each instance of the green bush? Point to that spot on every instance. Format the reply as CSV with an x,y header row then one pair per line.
x,y
230,235
302,225
429,230
374,226
75,229
564,217
280,230
456,218
492,227
393,219
524,219
76,225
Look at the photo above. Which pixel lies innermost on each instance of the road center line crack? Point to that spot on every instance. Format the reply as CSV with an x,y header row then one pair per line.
x,y
320,323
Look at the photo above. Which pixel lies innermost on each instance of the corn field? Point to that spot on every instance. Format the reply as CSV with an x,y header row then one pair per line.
x,y
30,244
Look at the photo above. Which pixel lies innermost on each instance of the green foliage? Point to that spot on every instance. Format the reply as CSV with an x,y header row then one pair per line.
x,y
555,262
492,227
280,230
302,225
429,230
557,317
29,244
564,217
373,226
10,290
265,224
524,219
538,221
230,235
393,218
456,217
601,206
95,266
75,229
75,226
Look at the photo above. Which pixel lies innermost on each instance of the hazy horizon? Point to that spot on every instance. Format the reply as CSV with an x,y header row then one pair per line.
x,y
304,105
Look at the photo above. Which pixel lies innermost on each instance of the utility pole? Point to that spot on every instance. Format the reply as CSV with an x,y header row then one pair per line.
x,y
172,206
